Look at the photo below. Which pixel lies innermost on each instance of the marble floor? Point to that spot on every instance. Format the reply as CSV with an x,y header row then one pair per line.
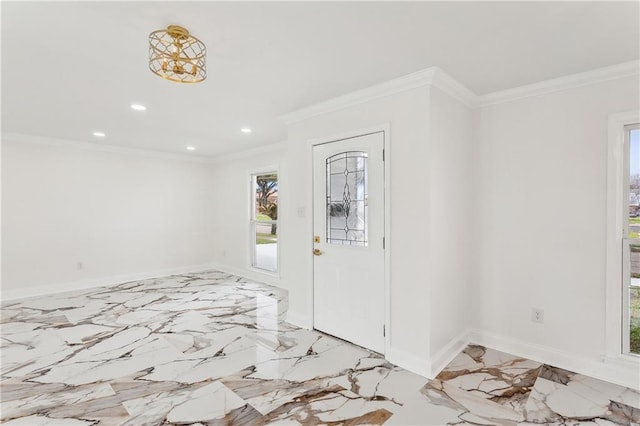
x,y
212,348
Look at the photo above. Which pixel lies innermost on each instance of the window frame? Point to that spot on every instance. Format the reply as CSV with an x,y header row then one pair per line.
x,y
617,213
253,174
627,242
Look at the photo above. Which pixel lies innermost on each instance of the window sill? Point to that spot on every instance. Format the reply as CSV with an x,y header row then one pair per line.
x,y
273,274
622,360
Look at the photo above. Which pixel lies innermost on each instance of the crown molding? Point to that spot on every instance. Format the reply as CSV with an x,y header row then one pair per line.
x,y
115,149
391,87
454,88
436,77
432,76
239,155
598,75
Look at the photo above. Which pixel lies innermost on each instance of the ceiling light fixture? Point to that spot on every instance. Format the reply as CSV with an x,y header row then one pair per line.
x,y
176,55
138,107
191,148
99,134
245,130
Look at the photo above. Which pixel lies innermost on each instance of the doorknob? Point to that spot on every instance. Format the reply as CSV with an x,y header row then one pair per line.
x,y
317,252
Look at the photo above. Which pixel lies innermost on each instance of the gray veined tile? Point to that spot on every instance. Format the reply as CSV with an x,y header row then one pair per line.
x,y
54,303
208,403
485,386
211,348
115,345
330,405
38,420
21,328
40,399
183,342
565,396
47,349
91,309
83,333
591,387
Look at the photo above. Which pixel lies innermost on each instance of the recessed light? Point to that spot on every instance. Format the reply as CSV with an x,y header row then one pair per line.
x,y
191,148
138,107
245,130
99,134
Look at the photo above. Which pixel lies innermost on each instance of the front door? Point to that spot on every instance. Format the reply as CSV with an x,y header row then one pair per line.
x,y
348,216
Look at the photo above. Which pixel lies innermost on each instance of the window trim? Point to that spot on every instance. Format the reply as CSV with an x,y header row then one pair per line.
x,y
253,221
626,242
616,207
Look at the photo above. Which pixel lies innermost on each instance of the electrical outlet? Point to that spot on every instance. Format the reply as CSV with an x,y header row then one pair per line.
x,y
537,315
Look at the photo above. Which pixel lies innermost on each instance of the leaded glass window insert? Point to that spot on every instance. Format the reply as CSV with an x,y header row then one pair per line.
x,y
347,209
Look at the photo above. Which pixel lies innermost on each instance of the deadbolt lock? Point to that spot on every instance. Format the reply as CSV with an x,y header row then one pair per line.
x,y
316,239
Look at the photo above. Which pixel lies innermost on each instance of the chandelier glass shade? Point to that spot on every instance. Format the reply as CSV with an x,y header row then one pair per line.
x,y
176,55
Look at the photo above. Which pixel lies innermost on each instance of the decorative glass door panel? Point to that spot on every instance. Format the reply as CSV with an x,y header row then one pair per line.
x,y
347,179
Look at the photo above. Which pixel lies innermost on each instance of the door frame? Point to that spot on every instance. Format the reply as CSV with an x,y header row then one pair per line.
x,y
386,131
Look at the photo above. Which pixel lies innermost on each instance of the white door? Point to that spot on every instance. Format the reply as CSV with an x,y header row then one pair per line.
x,y
348,216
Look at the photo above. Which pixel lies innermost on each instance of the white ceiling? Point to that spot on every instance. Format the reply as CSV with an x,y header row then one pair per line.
x,y
69,68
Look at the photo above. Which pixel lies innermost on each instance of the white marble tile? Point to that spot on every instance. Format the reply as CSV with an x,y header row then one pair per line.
x,y
92,309
581,398
143,299
37,403
211,348
144,356
481,406
115,345
45,350
52,303
182,342
271,394
188,322
37,420
82,333
137,316
207,403
10,328
418,411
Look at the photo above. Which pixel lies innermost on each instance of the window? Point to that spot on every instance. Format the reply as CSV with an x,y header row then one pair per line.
x,y
621,303
631,242
264,221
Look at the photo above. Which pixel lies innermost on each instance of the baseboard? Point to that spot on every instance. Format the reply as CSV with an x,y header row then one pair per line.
x,y
299,320
252,274
410,362
624,374
445,355
21,293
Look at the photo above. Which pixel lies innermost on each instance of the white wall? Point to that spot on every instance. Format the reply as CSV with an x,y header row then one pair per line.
x,y
493,211
231,208
407,115
452,222
119,214
541,184
487,221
